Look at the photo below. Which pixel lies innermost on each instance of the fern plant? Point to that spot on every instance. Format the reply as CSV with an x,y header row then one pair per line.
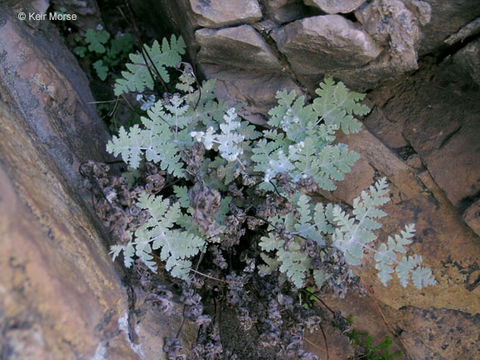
x,y
298,147
138,76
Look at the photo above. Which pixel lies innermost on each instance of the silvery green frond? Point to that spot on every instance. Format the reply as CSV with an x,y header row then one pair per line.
x,y
354,233
159,233
138,77
406,267
161,139
336,105
228,140
291,115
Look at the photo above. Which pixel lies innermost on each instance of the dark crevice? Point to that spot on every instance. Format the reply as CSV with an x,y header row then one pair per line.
x,y
450,136
467,201
350,16
444,51
405,151
286,67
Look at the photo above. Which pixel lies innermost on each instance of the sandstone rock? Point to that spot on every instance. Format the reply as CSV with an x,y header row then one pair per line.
x,y
468,58
447,146
472,216
317,44
237,47
55,97
218,13
283,11
60,295
448,310
335,6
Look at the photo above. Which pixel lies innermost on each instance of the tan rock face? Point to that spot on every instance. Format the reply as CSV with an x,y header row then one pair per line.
x,y
335,6
60,294
321,43
238,47
218,13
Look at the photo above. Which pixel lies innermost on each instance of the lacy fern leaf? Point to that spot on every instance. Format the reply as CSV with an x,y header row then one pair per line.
x,y
355,234
138,76
176,246
336,104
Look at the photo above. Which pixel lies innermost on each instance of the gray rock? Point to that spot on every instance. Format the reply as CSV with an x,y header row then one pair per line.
x,y
283,11
255,91
238,47
447,18
335,6
468,58
471,29
321,43
219,13
392,23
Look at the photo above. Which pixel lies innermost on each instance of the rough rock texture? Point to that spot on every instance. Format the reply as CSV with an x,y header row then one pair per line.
x,y
255,91
439,322
335,6
238,47
317,44
218,13
447,17
448,146
283,11
60,294
393,22
472,216
468,59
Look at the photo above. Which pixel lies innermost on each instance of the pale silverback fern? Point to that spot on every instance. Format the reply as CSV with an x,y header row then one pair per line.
x,y
298,145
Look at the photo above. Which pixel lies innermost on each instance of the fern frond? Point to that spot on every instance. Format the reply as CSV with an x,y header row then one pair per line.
x,y
353,234
176,246
137,78
406,267
335,105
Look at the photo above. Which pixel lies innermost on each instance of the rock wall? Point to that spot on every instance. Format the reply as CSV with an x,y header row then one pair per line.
x,y
60,294
359,42
419,62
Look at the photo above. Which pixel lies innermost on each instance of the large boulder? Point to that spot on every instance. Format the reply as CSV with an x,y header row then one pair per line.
x,y
218,13
236,47
318,44
335,6
61,296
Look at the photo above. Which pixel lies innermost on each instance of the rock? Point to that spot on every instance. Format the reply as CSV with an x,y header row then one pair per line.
x,y
335,6
424,318
448,146
389,131
317,44
472,216
61,296
283,11
38,75
87,11
393,22
339,346
218,13
447,17
468,59
471,29
237,47
256,91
